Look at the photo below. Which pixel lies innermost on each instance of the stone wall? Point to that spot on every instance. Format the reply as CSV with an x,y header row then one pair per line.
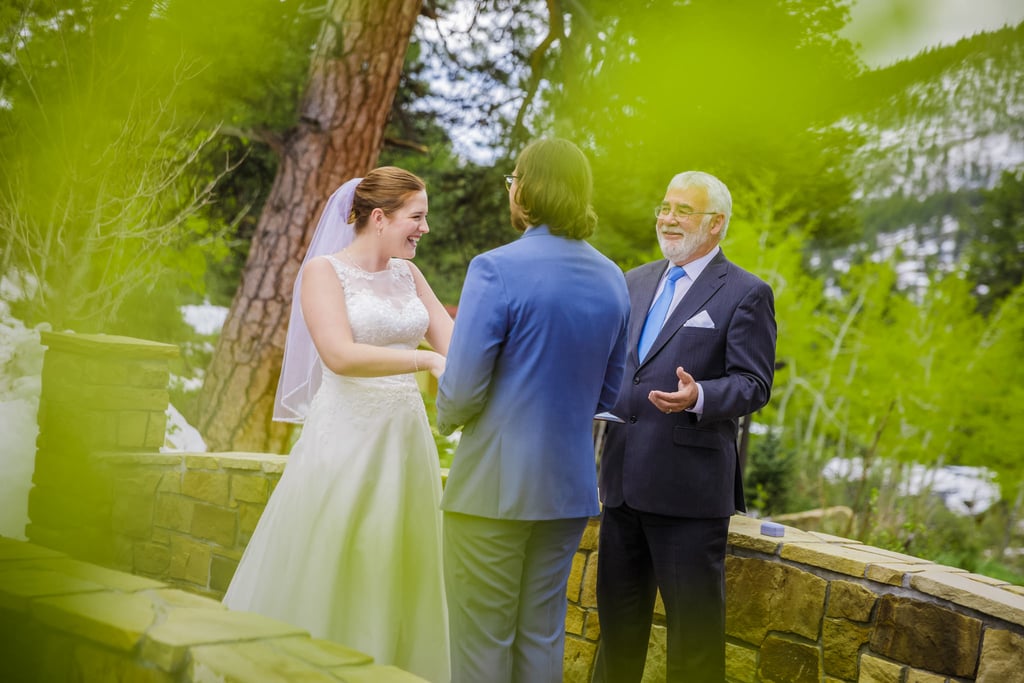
x,y
104,493
99,393
810,607
185,518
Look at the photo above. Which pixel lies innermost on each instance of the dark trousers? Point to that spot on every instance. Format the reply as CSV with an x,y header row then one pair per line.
x,y
640,553
505,582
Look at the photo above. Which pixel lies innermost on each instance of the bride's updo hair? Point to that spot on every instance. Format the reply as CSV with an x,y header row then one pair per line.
x,y
386,188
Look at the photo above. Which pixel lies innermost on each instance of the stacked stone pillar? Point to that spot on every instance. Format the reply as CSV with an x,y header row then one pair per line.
x,y
100,394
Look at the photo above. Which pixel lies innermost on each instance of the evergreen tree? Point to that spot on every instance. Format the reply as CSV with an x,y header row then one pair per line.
x,y
995,255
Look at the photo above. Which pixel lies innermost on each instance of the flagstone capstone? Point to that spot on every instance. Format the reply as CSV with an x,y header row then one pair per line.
x,y
251,662
66,620
969,590
167,643
107,578
22,585
113,619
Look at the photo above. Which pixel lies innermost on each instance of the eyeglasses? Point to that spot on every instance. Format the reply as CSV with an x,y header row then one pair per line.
x,y
666,210
508,181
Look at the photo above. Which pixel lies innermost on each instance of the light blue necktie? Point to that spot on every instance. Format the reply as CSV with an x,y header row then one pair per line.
x,y
659,311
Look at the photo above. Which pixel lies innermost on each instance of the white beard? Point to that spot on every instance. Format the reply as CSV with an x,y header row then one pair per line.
x,y
680,249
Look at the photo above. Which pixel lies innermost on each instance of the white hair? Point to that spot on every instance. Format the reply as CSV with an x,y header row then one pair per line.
x,y
719,198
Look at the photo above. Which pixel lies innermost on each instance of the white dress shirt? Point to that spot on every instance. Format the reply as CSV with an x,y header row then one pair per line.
x,y
693,270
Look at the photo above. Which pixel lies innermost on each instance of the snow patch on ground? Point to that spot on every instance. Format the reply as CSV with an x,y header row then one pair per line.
x,y
964,490
21,366
205,318
181,437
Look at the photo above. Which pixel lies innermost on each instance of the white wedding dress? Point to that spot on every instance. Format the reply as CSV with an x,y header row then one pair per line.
x,y
349,545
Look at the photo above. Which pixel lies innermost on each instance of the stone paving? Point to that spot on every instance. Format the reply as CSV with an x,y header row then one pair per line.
x,y
66,620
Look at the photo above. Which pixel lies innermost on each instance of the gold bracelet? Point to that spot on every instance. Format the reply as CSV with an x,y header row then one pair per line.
x,y
415,360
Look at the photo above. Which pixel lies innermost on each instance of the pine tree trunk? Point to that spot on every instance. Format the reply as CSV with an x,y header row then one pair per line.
x,y
353,79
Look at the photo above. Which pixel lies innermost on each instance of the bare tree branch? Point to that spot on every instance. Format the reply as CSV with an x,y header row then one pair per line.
x,y
406,144
556,31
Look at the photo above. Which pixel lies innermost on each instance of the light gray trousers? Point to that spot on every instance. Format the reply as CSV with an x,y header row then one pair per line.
x,y
506,587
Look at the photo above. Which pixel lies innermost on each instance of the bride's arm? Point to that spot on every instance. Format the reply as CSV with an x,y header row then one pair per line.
x,y
439,334
323,309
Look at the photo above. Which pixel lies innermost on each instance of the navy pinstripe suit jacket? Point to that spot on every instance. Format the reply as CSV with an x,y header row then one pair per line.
x,y
679,465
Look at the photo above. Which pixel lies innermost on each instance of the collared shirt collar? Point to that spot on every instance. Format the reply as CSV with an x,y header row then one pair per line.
x,y
536,229
696,267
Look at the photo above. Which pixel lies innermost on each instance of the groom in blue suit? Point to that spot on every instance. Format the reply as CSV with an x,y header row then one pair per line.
x,y
538,348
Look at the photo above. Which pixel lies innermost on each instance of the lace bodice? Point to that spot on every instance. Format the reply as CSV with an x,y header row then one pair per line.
x,y
383,310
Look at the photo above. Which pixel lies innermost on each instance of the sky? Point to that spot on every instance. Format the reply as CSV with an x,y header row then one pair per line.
x,y
890,30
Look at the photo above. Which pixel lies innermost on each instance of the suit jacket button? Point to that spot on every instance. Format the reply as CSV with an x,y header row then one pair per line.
x,y
632,419
636,380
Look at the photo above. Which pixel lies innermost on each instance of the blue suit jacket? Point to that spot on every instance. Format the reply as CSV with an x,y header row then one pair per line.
x,y
538,348
677,465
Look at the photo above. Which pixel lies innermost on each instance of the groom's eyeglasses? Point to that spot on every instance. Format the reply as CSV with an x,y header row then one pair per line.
x,y
508,181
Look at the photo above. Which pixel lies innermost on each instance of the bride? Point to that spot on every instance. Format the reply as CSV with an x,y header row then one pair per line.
x,y
349,545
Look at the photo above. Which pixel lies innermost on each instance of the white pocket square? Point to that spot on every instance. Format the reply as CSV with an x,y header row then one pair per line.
x,y
702,319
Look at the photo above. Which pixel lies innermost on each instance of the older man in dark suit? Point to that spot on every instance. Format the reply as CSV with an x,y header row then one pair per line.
x,y
701,354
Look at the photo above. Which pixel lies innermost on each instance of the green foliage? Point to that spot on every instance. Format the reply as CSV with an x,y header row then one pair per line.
x,y
94,184
768,476
491,66
987,426
995,255
936,534
868,371
254,59
248,59
236,208
468,203
112,136
922,526
745,90
896,212
907,383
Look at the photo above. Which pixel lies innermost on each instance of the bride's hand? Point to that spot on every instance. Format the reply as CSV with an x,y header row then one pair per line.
x,y
435,363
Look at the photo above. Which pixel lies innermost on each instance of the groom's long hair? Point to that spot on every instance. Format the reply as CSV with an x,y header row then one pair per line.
x,y
554,187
